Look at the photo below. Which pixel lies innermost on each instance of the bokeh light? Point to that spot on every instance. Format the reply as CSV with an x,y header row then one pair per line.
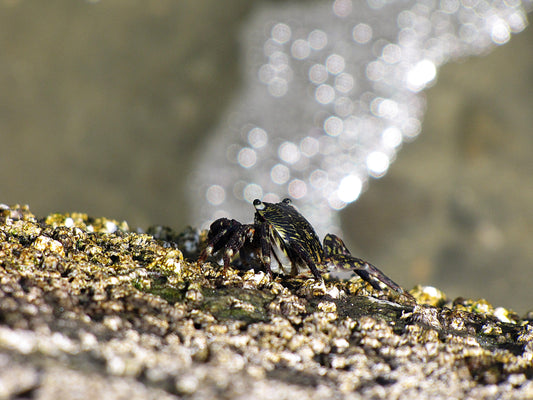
x,y
342,8
391,137
332,90
318,74
252,191
309,146
318,39
300,49
335,64
344,83
215,195
350,188
280,174
377,164
362,33
500,32
281,33
289,152
297,188
333,126
325,94
420,75
257,138
247,157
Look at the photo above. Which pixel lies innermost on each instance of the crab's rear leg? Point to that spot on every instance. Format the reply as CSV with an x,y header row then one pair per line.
x,y
337,255
228,235
334,245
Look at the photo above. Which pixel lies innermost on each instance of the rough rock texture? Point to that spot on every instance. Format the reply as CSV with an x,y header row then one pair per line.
x,y
90,310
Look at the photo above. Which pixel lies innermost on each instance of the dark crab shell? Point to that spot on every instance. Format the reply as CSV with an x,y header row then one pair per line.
x,y
286,242
289,232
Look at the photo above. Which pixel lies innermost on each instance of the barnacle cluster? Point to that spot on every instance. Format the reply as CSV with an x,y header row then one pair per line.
x,y
104,312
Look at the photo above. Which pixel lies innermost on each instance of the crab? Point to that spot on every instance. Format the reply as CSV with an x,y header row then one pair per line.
x,y
286,242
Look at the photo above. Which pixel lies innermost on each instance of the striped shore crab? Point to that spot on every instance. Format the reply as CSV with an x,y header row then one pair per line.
x,y
286,242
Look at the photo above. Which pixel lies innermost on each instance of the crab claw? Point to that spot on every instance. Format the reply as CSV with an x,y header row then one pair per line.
x,y
228,235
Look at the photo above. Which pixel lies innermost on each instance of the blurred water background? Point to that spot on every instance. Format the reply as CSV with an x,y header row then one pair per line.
x,y
130,109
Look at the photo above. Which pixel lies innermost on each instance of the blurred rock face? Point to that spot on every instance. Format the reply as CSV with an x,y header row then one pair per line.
x,y
106,101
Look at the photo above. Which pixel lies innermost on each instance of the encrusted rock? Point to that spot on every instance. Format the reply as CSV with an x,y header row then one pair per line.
x,y
89,309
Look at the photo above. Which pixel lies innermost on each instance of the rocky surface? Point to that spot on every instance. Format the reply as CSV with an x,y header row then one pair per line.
x,y
122,105
90,310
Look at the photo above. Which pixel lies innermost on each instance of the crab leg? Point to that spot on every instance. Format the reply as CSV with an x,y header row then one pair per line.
x,y
307,260
265,247
365,270
338,256
334,245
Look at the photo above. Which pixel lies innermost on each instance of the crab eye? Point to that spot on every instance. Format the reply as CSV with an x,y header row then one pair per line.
x,y
258,204
287,201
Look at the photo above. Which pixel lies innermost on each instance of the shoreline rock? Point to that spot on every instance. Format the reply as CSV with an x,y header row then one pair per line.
x,y
89,309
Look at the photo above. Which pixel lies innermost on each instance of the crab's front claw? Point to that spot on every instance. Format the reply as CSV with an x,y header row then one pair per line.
x,y
219,232
227,236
